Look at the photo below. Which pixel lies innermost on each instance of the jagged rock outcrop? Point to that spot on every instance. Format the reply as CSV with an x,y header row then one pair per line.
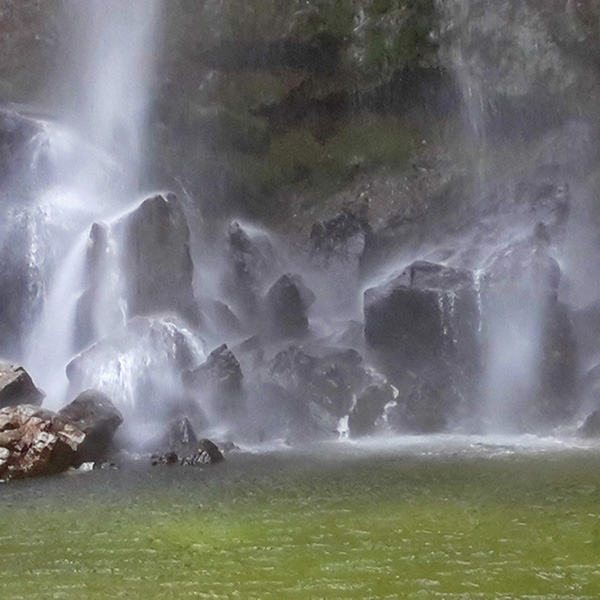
x,y
36,442
286,305
369,407
218,381
424,323
17,387
156,257
251,262
139,366
320,386
342,238
180,445
591,426
520,302
93,413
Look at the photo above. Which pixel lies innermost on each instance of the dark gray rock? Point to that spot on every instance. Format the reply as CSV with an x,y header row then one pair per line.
x,y
251,262
218,381
423,328
157,259
423,312
328,382
139,366
343,238
17,387
422,407
179,437
287,304
93,413
591,426
368,408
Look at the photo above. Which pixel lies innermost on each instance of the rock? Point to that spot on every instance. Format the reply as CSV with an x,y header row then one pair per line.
x,y
218,380
520,301
38,442
287,303
328,381
251,262
169,458
157,259
139,366
179,437
525,271
422,312
343,237
423,327
94,414
591,426
98,262
17,387
220,319
207,453
421,408
191,451
368,408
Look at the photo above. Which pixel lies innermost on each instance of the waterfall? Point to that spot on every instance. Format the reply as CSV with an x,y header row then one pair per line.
x,y
103,91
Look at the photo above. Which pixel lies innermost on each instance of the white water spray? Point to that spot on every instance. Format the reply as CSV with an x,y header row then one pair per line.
x,y
98,165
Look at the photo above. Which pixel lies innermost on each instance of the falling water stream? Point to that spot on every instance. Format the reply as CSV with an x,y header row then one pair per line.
x,y
98,162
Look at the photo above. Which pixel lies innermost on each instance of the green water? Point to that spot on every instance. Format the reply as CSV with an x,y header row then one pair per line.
x,y
295,526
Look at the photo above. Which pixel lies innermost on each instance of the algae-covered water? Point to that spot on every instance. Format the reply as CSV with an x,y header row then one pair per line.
x,y
346,521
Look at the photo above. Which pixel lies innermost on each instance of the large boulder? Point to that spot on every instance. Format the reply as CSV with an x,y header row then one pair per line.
x,y
423,328
98,418
369,407
218,381
156,257
35,442
287,303
17,387
139,366
530,342
327,381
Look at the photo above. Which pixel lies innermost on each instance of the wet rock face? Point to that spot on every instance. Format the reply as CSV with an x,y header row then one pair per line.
x,y
521,300
36,442
180,445
139,366
326,383
157,259
17,387
427,311
98,418
369,406
179,437
251,262
287,303
218,381
424,324
343,237
591,426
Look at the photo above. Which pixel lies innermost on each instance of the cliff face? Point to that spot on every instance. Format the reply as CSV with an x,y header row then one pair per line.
x,y
279,108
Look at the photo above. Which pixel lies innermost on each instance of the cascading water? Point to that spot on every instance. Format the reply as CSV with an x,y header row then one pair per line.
x,y
97,166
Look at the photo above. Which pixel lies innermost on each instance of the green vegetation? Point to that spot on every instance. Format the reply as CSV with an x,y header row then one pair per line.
x,y
364,528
